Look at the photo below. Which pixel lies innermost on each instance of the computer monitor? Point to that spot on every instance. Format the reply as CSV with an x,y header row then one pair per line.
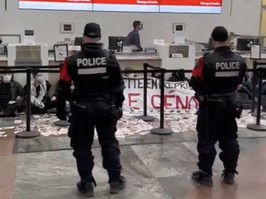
x,y
243,44
78,41
115,43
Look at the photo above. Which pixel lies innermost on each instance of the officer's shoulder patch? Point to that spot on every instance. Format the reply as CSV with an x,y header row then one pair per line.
x,y
199,63
207,54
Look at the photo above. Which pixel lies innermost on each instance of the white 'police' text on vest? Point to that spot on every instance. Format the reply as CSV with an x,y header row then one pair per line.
x,y
93,65
94,61
227,65
227,69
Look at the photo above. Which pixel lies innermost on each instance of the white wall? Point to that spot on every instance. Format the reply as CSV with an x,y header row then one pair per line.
x,y
245,19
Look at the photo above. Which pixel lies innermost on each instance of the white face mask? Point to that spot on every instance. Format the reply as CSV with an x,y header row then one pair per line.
x,y
7,78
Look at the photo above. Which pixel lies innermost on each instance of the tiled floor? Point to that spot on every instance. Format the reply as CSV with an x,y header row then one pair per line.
x,y
155,167
8,166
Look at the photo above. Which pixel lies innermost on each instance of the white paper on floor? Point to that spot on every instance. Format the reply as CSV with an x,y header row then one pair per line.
x,y
3,134
178,121
17,121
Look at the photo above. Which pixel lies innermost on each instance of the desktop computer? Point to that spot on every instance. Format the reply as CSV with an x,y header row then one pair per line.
x,y
117,43
244,44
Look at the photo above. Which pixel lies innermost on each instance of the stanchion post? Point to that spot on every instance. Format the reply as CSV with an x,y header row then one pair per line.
x,y
258,126
28,133
161,130
259,98
145,67
28,100
254,80
162,99
145,116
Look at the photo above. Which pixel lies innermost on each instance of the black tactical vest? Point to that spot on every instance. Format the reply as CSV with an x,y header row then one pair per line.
x,y
224,71
90,78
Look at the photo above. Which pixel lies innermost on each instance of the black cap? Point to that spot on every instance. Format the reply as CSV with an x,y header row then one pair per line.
x,y
92,30
220,34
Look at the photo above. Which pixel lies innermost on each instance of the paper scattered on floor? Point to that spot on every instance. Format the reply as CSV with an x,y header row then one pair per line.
x,y
9,127
18,122
178,121
3,134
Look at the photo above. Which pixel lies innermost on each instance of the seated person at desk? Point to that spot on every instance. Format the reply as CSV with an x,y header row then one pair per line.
x,y
133,37
11,95
40,99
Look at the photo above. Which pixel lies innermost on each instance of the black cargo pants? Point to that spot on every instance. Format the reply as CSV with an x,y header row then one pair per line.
x,y
10,109
216,122
83,120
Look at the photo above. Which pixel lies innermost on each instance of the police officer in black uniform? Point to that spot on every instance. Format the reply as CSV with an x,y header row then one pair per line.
x,y
215,79
97,102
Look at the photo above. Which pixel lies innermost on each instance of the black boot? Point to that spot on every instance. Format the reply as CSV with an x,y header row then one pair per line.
x,y
117,185
86,188
202,178
228,178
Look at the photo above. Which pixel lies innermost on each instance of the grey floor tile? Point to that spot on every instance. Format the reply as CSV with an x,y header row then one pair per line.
x,y
41,143
177,186
44,170
53,175
166,160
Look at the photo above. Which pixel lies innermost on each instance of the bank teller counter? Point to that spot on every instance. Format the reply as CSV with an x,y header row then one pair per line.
x,y
135,60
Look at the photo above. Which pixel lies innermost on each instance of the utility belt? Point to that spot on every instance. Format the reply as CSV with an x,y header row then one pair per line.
x,y
82,100
208,97
221,95
222,98
85,99
96,108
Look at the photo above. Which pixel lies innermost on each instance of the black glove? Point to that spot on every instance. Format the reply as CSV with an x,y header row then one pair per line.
x,y
238,110
116,114
120,112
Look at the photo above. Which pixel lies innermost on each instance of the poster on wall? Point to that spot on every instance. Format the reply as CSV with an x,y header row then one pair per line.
x,y
152,6
81,5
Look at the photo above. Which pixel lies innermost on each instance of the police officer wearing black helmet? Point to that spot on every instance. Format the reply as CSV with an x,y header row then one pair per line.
x,y
97,102
215,79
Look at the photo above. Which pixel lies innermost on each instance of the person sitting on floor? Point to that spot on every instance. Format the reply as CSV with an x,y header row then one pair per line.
x,y
11,95
178,77
39,93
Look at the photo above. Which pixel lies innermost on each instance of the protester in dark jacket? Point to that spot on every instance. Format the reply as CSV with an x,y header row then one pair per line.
x,y
11,95
178,77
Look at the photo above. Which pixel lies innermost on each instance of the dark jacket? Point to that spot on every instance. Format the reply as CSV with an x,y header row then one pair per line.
x,y
16,90
133,38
